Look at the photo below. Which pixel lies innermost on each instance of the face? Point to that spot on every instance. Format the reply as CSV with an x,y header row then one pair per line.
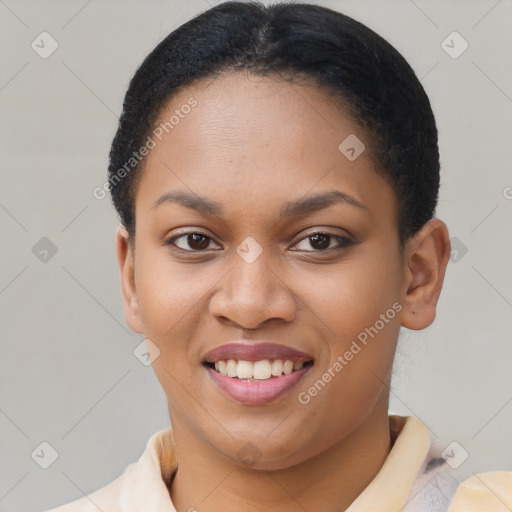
x,y
232,248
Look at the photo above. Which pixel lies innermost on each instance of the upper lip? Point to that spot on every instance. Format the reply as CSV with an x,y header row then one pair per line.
x,y
255,351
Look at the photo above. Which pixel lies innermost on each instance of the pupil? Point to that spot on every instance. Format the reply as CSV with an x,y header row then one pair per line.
x,y
193,240
324,238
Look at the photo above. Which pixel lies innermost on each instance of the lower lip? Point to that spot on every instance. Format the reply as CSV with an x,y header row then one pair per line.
x,y
259,391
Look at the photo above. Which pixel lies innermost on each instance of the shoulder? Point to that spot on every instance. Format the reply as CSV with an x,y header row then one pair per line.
x,y
107,498
484,492
142,483
438,488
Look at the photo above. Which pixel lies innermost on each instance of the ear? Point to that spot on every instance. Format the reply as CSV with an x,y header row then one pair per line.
x,y
426,257
125,259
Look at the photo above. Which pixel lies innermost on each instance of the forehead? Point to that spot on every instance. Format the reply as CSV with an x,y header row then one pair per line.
x,y
259,140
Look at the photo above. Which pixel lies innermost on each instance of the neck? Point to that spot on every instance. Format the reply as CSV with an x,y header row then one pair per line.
x,y
208,482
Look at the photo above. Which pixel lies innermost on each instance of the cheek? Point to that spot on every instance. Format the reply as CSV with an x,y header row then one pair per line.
x,y
360,305
172,301
352,295
170,294
171,306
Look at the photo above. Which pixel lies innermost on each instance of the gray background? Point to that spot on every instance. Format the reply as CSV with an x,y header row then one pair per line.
x,y
68,373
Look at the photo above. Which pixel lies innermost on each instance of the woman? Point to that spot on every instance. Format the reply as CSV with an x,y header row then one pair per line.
x,y
276,172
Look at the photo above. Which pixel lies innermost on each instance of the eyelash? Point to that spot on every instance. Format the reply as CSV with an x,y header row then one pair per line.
x,y
342,241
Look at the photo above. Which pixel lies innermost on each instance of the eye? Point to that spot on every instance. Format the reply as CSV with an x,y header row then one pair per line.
x,y
321,242
195,240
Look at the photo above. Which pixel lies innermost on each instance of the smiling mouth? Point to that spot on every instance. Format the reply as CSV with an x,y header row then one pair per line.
x,y
252,371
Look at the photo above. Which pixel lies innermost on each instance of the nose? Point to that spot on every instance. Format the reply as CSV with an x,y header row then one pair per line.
x,y
251,294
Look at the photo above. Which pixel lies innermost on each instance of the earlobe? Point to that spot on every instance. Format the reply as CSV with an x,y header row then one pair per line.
x,y
127,273
426,258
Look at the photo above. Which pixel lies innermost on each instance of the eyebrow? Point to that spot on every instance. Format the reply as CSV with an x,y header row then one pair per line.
x,y
298,207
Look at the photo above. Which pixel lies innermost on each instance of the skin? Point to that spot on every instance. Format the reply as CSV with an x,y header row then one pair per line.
x,y
251,144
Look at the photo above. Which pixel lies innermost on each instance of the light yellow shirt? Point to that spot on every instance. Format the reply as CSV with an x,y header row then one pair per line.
x,y
405,483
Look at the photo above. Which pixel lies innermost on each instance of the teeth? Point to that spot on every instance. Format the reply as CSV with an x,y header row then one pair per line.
x,y
257,370
277,367
245,370
288,367
231,367
262,370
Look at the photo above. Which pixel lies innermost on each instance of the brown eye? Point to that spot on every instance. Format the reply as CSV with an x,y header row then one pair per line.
x,y
191,242
321,242
197,241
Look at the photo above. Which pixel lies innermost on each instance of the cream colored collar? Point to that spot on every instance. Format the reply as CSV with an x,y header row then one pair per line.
x,y
144,483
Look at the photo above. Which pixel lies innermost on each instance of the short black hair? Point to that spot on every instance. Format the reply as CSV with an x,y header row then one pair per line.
x,y
361,71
